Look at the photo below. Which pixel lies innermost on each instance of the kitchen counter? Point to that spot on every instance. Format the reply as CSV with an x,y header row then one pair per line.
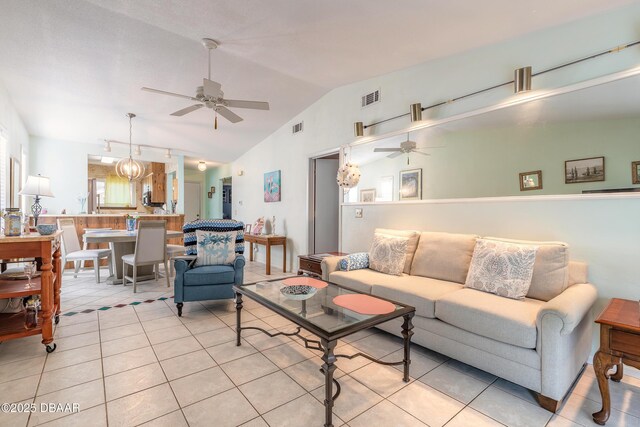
x,y
112,215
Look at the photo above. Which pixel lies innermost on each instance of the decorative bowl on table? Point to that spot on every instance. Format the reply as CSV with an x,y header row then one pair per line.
x,y
298,292
46,229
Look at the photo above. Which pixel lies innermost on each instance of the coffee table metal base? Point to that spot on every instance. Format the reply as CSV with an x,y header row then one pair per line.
x,y
329,357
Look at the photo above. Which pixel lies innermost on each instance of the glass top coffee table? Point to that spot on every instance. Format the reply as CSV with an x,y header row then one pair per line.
x,y
330,312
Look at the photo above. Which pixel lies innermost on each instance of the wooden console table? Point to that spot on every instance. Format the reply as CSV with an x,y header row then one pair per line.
x,y
47,249
619,344
268,240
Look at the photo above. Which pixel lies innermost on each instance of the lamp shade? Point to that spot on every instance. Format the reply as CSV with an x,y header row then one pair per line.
x,y
37,186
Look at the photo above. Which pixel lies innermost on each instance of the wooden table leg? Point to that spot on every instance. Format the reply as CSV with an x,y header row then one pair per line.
x,y
57,264
250,251
268,246
284,256
602,363
619,372
46,283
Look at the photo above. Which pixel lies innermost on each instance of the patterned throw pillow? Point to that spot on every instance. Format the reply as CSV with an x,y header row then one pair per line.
x,y
387,254
216,248
501,268
356,261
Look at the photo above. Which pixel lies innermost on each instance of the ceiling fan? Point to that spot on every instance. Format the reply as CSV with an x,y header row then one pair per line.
x,y
406,147
210,95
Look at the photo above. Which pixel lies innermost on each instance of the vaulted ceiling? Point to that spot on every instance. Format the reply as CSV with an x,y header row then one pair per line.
x,y
73,68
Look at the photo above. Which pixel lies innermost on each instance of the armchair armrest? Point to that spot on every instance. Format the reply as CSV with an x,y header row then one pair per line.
x,y
329,265
238,266
571,306
188,261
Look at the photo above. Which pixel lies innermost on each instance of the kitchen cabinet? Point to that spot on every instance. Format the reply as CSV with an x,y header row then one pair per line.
x,y
156,183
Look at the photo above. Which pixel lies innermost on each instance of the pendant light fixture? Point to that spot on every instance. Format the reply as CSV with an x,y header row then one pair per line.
x,y
129,168
202,166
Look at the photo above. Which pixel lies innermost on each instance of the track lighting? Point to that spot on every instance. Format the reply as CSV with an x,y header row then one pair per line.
x,y
522,80
137,151
107,146
416,112
167,153
358,129
202,166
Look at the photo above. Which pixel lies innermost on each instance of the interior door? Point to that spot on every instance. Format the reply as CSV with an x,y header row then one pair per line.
x,y
192,201
326,206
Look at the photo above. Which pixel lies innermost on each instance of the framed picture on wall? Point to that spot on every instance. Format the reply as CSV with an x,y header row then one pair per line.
x,y
635,172
368,195
584,170
272,186
411,184
210,195
531,180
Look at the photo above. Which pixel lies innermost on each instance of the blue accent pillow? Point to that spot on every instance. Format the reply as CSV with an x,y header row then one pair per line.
x,y
355,261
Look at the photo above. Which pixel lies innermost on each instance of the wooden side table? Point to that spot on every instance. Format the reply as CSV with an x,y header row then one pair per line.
x,y
268,240
619,344
311,264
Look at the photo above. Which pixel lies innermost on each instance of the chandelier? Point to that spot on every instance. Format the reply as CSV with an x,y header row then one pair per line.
x,y
130,168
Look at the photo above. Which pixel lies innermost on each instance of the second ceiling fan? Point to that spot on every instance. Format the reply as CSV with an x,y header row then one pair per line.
x,y
210,95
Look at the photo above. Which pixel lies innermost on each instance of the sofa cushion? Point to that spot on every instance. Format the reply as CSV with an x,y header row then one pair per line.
x,y
420,292
387,254
501,268
210,275
550,271
443,256
502,319
356,261
412,243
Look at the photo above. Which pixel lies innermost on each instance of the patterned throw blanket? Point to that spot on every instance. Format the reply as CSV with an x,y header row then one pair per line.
x,y
220,225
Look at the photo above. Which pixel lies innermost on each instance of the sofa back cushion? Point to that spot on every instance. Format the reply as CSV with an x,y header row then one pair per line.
x,y
412,243
443,256
550,271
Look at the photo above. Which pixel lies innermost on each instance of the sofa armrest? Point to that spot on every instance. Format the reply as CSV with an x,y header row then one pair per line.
x,y
329,265
571,306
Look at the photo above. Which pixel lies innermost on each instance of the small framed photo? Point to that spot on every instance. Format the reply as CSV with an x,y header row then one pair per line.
x,y
411,184
584,170
635,172
210,195
368,195
531,180
247,228
213,190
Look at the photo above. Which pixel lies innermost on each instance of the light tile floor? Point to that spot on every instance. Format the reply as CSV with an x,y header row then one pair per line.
x,y
143,365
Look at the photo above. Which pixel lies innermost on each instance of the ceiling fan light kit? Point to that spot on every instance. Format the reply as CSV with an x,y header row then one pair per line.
x,y
130,168
210,95
521,83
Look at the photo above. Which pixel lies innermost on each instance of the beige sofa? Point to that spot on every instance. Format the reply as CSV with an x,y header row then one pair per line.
x,y
541,342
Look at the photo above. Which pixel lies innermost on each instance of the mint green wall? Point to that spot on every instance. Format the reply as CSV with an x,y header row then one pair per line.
x,y
486,162
213,206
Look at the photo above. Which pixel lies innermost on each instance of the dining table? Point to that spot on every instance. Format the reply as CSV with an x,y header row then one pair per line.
x,y
123,242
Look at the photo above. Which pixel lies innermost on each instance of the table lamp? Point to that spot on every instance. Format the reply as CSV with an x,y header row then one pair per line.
x,y
37,186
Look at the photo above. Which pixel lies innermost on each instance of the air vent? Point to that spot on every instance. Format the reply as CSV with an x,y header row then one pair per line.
x,y
370,98
297,127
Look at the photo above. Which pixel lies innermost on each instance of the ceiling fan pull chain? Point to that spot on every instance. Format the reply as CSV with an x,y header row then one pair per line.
x,y
215,122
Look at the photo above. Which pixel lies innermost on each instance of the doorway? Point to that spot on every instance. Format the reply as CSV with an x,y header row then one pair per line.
x,y
226,198
192,200
324,232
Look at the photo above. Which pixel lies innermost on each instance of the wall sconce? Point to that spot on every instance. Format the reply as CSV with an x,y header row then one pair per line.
x,y
522,80
137,151
240,172
416,112
107,146
202,166
167,154
358,129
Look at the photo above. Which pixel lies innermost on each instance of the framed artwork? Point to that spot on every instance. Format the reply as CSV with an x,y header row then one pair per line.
x,y
210,195
368,195
635,172
584,170
212,190
411,184
272,186
247,229
531,180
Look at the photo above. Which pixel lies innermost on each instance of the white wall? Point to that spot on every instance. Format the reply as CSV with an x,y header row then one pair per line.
x,y
15,132
329,121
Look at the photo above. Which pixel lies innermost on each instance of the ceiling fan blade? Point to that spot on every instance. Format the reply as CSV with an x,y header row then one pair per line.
x,y
211,88
394,155
254,105
421,153
386,150
163,92
187,110
228,114
428,148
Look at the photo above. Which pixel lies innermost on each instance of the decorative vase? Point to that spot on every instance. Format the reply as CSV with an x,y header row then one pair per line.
x,y
131,224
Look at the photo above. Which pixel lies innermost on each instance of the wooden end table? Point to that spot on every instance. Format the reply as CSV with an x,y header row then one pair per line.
x,y
619,344
268,240
311,264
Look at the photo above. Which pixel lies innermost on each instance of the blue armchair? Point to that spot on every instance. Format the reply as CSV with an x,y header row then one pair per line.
x,y
207,282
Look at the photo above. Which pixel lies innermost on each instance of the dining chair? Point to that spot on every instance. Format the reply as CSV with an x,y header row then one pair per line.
x,y
174,251
73,252
150,249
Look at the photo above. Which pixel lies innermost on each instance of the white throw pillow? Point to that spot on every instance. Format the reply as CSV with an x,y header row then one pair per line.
x,y
387,254
216,248
501,268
